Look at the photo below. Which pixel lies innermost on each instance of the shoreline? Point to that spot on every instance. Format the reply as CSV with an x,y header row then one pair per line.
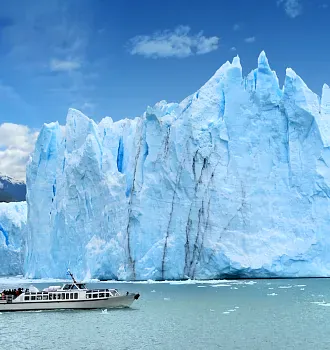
x,y
20,279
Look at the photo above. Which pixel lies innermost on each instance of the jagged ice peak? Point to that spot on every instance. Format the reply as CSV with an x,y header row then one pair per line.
x,y
232,181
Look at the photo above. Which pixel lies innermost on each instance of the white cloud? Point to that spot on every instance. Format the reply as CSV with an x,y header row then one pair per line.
x,y
16,144
233,48
87,107
63,65
293,8
178,43
236,27
250,40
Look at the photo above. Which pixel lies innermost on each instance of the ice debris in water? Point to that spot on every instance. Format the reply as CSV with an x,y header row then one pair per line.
x,y
105,311
148,198
153,291
167,299
272,294
220,285
321,303
285,287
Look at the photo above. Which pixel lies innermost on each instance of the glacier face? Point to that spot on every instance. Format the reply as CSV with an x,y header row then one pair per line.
x,y
12,237
232,181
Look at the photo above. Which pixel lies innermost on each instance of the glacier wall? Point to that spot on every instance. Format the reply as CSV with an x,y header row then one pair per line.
x,y
233,181
12,237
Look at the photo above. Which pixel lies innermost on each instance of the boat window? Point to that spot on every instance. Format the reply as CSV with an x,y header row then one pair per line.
x,y
58,296
67,296
45,297
33,297
94,295
76,295
74,287
26,298
39,297
66,287
63,296
50,297
107,295
71,295
101,295
81,286
54,296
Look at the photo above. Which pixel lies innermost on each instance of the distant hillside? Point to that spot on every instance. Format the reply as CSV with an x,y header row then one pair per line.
x,y
11,190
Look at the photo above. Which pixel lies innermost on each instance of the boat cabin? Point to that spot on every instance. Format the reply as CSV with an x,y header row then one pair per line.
x,y
46,296
71,286
69,292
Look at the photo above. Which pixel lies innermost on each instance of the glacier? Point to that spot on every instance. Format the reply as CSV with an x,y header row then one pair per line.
x,y
234,181
13,218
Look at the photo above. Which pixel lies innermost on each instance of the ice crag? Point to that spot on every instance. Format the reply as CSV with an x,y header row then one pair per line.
x,y
12,237
233,181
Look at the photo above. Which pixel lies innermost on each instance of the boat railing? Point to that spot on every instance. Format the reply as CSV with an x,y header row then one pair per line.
x,y
7,298
101,290
101,293
43,295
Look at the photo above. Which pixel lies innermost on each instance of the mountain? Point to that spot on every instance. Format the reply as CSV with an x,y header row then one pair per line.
x,y
11,190
234,181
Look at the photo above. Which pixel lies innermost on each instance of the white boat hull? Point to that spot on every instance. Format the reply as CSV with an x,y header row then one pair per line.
x,y
106,303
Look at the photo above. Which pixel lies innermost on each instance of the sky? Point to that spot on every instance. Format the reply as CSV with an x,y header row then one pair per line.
x,y
115,58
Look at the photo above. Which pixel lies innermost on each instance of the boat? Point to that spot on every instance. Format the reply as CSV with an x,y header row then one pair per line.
x,y
73,295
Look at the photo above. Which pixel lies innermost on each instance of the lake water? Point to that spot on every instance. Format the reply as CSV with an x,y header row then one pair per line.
x,y
262,314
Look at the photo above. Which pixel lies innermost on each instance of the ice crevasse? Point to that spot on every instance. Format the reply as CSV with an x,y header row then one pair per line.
x,y
12,237
231,182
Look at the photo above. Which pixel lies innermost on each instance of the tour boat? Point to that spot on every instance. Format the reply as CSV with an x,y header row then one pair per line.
x,y
70,296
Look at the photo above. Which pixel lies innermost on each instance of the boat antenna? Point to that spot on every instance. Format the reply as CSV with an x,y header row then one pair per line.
x,y
73,279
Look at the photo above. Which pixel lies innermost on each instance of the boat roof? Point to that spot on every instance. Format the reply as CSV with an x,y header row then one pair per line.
x,y
78,285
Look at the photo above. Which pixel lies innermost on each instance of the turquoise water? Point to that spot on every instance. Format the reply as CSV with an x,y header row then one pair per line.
x,y
268,314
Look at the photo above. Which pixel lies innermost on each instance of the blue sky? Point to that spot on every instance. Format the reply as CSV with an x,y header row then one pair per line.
x,y
114,58
56,54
